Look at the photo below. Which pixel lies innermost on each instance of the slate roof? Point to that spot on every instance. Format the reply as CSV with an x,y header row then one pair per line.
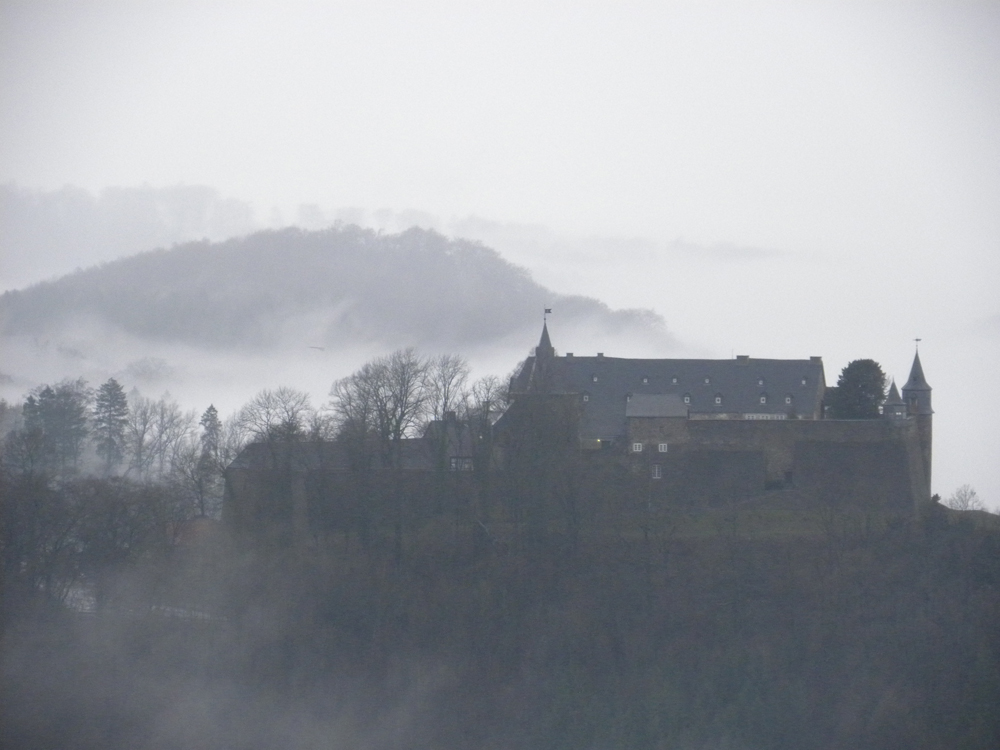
x,y
893,399
916,381
606,383
655,405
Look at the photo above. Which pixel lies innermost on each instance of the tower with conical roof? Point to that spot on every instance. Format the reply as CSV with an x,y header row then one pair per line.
x,y
894,406
917,397
542,375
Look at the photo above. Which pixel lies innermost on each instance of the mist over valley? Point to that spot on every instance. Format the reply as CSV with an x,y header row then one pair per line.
x,y
485,376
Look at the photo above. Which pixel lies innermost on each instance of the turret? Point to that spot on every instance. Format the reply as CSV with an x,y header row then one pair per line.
x,y
545,350
537,375
894,406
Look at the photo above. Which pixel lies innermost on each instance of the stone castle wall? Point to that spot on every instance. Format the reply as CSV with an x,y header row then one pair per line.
x,y
871,461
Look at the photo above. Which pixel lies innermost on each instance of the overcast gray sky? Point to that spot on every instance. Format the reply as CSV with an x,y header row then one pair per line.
x,y
795,178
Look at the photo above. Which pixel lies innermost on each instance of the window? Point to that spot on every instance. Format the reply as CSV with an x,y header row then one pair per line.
x,y
662,447
763,398
788,399
687,399
594,378
637,447
657,473
718,400
645,380
707,381
803,381
586,397
461,464
673,380
760,381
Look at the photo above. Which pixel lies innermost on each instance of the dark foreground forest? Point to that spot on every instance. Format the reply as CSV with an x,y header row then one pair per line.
x,y
768,626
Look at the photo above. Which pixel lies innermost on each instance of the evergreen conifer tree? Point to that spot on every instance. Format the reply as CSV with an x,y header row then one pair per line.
x,y
110,419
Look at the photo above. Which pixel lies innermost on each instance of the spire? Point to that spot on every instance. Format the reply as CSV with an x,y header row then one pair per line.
x,y
893,399
916,392
916,381
544,348
894,406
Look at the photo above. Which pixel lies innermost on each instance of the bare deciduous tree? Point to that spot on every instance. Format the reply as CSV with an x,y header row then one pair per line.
x,y
383,402
965,498
280,415
154,432
447,375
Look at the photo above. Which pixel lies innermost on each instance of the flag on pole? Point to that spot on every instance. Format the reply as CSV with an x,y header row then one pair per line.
x,y
548,310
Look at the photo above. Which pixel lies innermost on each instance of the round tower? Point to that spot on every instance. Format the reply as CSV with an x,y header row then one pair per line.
x,y
917,397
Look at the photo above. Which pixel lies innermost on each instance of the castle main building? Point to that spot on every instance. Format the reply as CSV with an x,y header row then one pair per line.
x,y
724,429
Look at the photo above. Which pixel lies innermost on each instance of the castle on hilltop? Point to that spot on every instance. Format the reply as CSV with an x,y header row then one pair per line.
x,y
735,427
601,432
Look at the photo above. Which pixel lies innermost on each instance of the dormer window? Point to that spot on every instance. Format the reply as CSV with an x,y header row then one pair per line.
x,y
760,381
718,399
637,447
803,381
763,398
645,381
788,399
586,397
707,381
593,378
673,380
687,398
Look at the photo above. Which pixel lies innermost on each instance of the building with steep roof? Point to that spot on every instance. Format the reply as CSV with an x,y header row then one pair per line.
x,y
760,421
592,431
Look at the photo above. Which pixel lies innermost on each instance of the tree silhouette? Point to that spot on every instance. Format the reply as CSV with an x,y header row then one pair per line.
x,y
110,421
860,391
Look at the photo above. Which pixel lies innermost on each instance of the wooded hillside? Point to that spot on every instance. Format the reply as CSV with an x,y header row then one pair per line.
x,y
336,286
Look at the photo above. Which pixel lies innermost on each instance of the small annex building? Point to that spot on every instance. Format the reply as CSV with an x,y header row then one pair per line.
x,y
304,489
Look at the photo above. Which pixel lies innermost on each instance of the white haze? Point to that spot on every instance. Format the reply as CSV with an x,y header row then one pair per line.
x,y
777,180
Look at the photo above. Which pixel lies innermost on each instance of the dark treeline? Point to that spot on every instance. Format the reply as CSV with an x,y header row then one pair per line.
x,y
540,601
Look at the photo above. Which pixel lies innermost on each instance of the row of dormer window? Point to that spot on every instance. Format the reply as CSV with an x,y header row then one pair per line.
x,y
718,398
708,381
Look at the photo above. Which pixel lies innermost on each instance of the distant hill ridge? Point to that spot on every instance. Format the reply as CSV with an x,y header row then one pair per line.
x,y
334,286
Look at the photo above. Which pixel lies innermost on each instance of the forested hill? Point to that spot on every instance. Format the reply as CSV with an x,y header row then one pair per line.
x,y
336,286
